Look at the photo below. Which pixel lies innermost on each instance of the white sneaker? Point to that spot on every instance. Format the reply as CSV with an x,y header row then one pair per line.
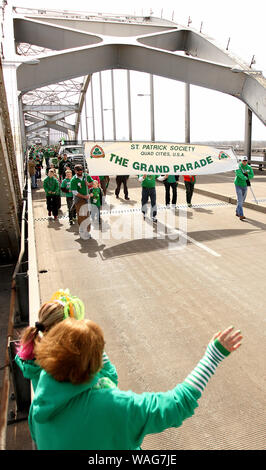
x,y
85,235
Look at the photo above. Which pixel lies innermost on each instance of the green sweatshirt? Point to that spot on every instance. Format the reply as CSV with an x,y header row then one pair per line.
x,y
149,181
64,416
51,186
240,179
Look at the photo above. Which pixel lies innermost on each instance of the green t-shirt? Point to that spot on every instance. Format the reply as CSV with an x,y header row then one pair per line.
x,y
96,198
79,184
171,179
66,184
149,181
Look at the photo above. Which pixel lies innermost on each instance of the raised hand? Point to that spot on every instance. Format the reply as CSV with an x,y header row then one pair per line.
x,y
230,340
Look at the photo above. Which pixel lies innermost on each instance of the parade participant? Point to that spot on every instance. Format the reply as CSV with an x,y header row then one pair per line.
x,y
62,305
96,196
97,178
189,181
46,155
79,186
104,182
32,172
52,190
52,167
65,188
242,180
38,166
148,191
70,355
170,181
121,179
62,166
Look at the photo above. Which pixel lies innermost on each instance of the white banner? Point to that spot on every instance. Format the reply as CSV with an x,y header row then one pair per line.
x,y
134,158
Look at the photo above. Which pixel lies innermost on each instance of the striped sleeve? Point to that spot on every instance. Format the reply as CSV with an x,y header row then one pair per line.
x,y
105,357
108,369
206,367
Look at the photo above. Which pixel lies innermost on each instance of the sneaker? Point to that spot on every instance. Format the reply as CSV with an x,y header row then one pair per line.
x,y
242,217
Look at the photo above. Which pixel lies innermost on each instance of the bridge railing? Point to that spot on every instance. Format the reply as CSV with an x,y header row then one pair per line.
x,y
24,307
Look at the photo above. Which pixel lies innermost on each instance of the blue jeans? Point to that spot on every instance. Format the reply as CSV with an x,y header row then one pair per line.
x,y
241,193
146,194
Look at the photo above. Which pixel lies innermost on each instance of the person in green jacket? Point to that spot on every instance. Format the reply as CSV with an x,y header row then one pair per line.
x,y
148,192
72,411
52,190
244,174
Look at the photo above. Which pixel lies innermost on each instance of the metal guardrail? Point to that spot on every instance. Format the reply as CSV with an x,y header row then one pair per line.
x,y
260,163
6,377
33,302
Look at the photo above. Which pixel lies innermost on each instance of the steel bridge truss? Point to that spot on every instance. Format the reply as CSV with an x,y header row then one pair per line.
x,y
70,47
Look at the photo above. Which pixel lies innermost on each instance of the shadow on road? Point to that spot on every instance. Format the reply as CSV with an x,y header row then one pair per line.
x,y
143,245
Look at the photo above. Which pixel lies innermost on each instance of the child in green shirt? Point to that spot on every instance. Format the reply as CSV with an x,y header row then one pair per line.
x,y
96,198
65,188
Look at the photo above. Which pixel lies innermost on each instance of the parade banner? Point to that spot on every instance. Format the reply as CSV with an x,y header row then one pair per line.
x,y
154,158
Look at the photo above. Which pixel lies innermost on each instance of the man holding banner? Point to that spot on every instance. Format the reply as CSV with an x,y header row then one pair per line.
x,y
148,191
243,175
79,187
189,181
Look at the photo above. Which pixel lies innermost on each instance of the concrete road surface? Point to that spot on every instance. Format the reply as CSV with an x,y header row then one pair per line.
x,y
160,293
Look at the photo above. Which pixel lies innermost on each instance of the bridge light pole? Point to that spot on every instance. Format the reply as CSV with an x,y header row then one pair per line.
x,y
187,113
129,105
113,103
151,95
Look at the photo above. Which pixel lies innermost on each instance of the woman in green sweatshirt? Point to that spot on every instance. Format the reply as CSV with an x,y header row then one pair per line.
x,y
52,190
70,412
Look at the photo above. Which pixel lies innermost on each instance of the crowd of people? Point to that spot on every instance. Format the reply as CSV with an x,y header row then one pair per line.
x,y
77,401
64,178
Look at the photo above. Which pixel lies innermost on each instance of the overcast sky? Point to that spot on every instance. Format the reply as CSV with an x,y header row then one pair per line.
x,y
214,116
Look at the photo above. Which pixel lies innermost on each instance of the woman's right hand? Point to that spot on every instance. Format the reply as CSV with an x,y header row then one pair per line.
x,y
230,340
